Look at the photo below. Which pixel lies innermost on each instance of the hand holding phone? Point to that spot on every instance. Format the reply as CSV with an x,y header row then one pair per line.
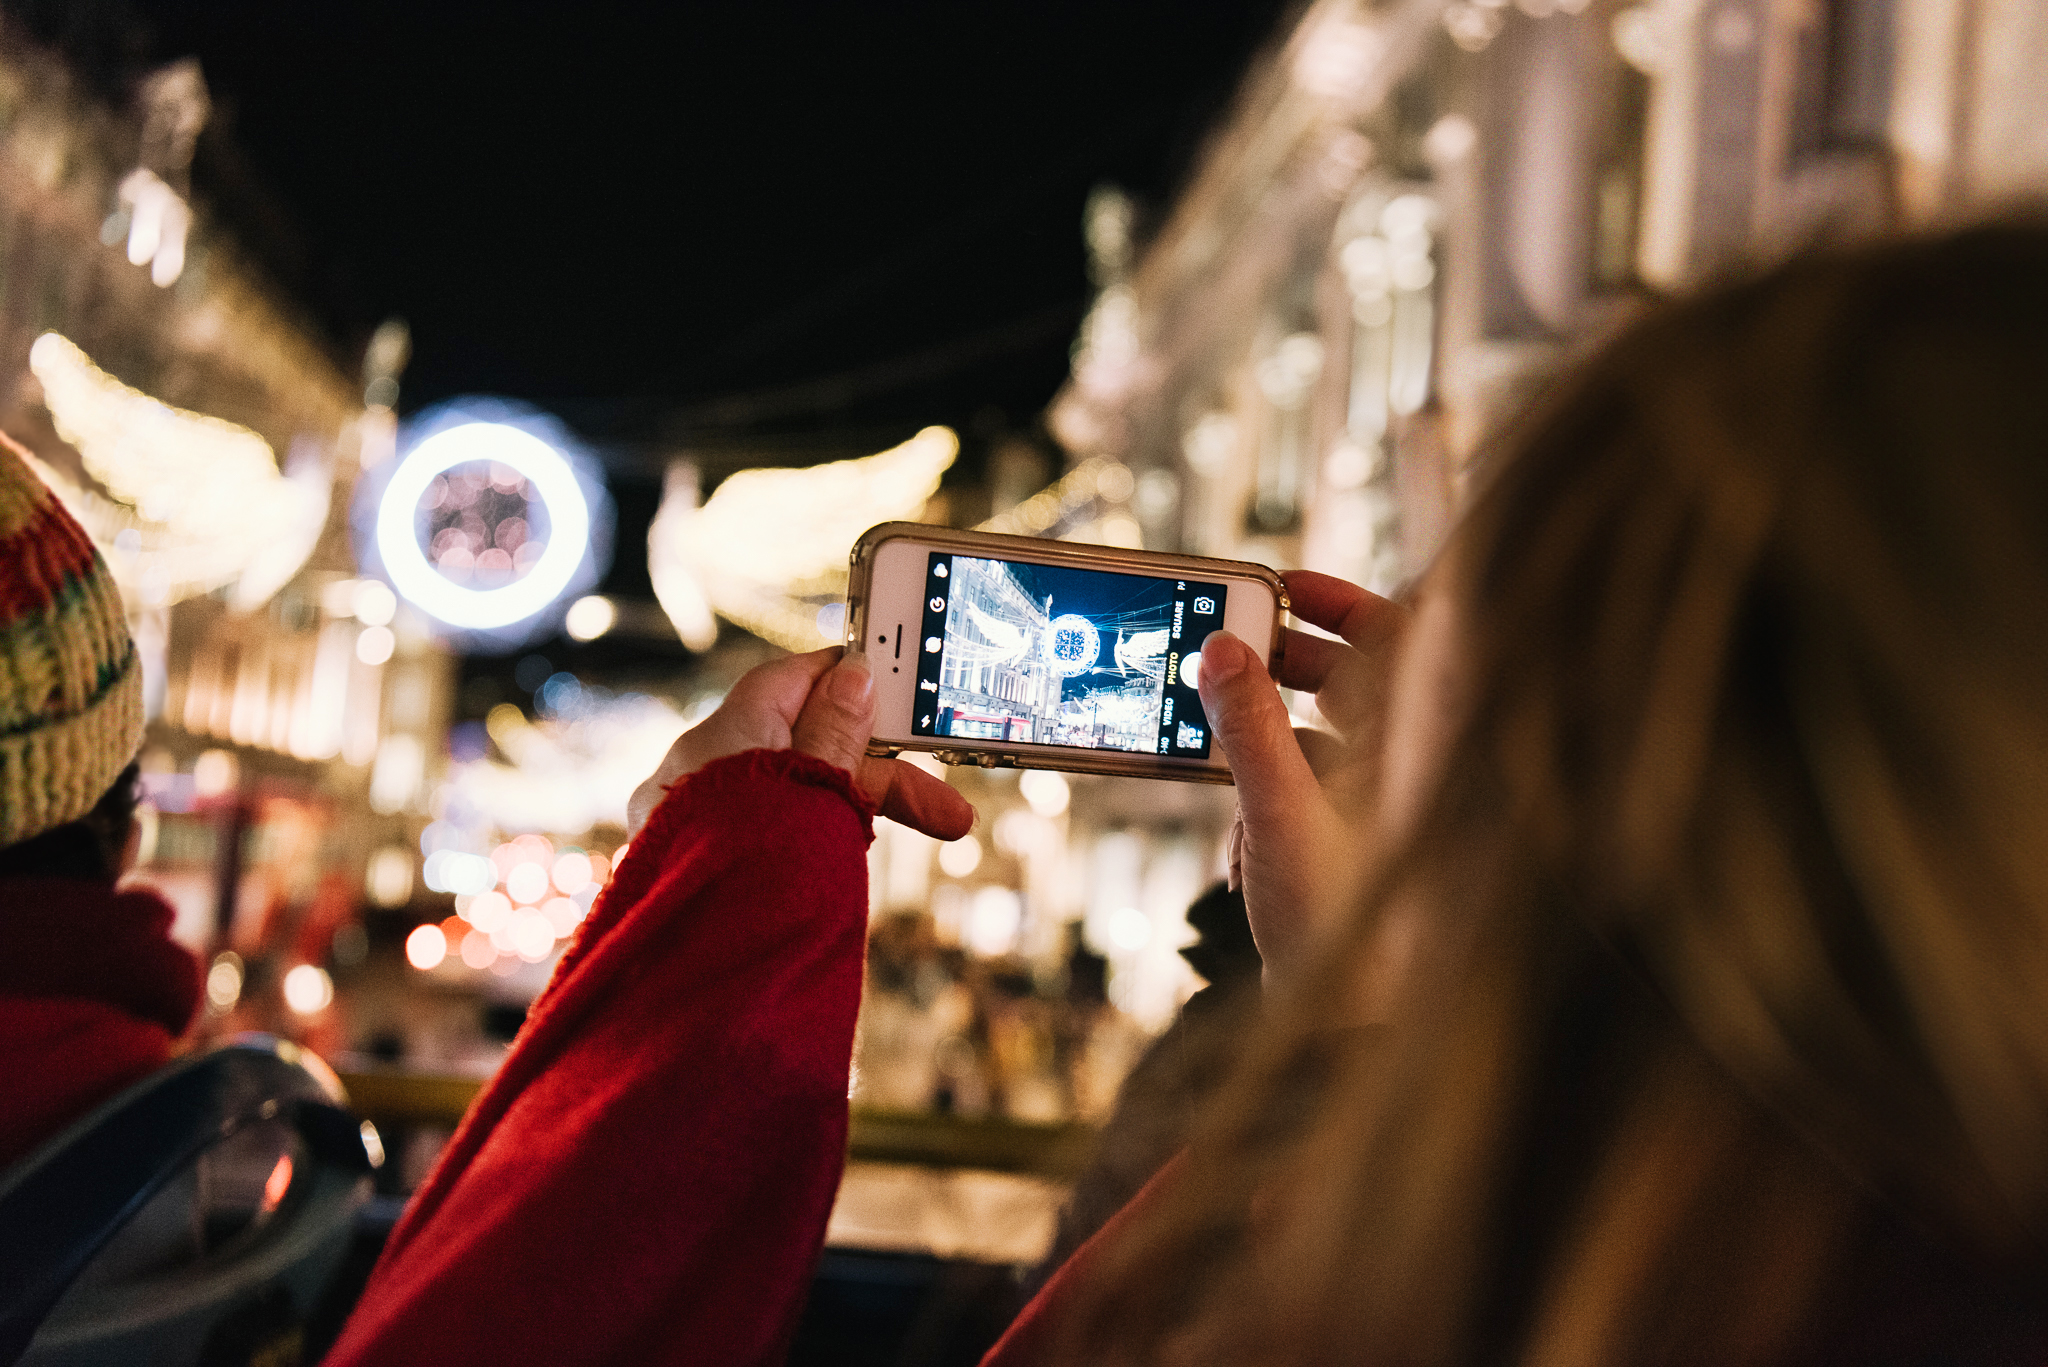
x,y
1013,652
1305,798
822,705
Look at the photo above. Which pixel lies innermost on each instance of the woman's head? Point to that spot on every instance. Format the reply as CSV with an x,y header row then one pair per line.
x,y
99,847
70,678
1728,849
1765,694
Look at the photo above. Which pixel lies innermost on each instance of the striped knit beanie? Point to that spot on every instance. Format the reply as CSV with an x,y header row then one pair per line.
x,y
70,682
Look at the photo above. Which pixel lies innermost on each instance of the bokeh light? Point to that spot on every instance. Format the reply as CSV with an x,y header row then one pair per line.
x,y
224,980
993,919
489,912
526,883
563,914
375,645
308,989
478,951
426,947
533,938
960,857
388,878
214,772
1129,929
590,617
573,872
1046,791
373,603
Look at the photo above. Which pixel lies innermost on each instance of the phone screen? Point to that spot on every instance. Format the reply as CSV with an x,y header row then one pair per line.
x,y
1051,655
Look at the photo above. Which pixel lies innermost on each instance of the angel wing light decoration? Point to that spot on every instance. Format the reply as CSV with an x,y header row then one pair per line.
x,y
1142,652
185,503
769,547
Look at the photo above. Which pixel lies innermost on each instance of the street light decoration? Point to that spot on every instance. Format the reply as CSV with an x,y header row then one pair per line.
x,y
515,573
490,523
768,549
180,503
1072,645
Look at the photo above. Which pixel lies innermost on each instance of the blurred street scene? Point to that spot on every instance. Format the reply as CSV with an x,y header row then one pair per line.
x,y
413,626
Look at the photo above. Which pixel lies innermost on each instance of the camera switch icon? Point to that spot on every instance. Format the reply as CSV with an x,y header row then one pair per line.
x,y
1205,605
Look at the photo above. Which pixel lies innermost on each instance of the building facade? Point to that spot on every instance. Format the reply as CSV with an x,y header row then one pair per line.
x,y
209,437
1416,210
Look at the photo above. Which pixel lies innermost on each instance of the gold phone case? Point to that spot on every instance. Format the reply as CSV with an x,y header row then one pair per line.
x,y
995,754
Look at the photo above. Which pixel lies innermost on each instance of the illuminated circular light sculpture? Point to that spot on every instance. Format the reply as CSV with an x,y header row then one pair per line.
x,y
553,480
1072,645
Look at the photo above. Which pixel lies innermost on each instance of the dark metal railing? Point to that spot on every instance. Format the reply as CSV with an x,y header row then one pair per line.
x,y
925,1138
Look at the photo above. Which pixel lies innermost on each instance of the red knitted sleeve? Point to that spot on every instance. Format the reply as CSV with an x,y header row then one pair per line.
x,y
647,1178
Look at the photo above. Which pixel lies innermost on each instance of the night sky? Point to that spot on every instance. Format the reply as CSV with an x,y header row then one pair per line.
x,y
677,219
776,230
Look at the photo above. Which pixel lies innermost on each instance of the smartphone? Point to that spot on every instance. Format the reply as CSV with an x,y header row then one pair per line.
x,y
1011,652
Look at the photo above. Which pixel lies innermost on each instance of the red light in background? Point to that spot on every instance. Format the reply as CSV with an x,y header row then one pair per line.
x,y
278,1183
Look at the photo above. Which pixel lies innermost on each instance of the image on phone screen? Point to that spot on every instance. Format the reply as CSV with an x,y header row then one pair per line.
x,y
1052,655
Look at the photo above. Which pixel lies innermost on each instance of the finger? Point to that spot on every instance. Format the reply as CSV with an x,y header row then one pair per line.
x,y
1324,752
757,713
1274,781
1354,697
1306,661
1342,767
839,716
1359,615
778,690
921,801
759,710
1234,878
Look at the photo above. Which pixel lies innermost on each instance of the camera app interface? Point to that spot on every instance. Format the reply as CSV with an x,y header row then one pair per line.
x,y
1057,656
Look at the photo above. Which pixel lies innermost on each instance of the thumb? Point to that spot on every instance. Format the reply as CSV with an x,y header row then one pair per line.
x,y
1274,781
839,715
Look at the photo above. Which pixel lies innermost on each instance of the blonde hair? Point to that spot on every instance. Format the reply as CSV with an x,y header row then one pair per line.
x,y
1727,1039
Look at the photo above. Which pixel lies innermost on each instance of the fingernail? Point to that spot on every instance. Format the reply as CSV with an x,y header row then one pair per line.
x,y
1222,658
851,683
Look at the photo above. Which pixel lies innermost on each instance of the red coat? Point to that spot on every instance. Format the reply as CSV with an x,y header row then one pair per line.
x,y
647,1178
93,995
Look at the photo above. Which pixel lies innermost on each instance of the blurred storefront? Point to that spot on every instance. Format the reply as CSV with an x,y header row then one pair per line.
x,y
1415,213
209,439
1418,209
